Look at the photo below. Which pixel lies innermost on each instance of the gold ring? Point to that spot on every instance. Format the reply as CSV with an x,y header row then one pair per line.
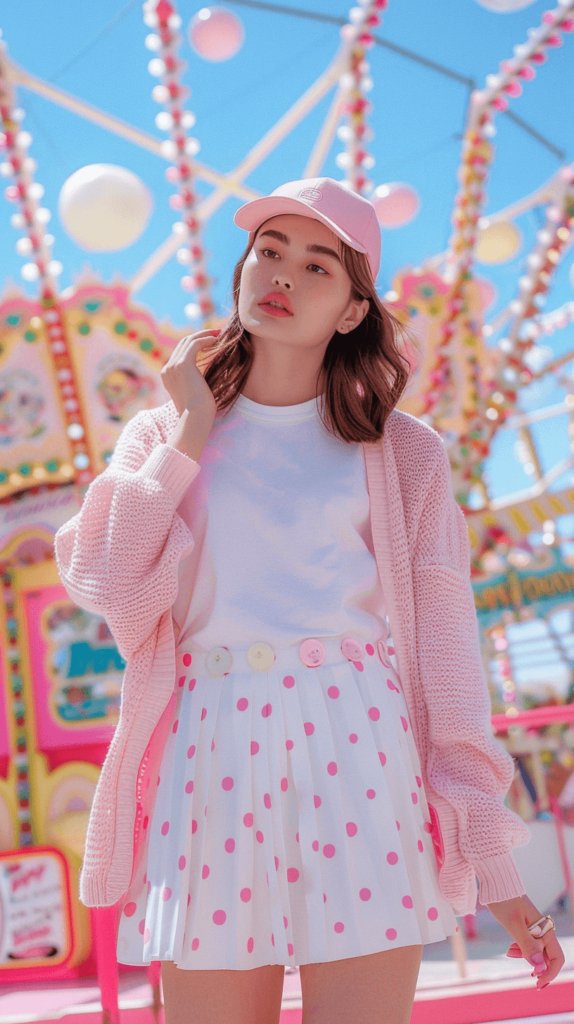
x,y
542,926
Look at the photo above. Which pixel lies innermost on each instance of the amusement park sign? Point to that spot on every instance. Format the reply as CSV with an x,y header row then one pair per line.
x,y
547,586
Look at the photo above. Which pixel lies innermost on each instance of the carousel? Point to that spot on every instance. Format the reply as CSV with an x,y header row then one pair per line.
x,y
77,364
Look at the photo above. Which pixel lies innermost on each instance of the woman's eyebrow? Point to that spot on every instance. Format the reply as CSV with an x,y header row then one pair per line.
x,y
323,249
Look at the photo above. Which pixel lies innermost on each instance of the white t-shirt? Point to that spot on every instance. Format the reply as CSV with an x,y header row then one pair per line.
x,y
280,519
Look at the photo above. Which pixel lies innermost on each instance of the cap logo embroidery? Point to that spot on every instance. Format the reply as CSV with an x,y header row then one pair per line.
x,y
311,193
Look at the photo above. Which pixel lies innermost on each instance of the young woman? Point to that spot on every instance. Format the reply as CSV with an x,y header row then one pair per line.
x,y
283,788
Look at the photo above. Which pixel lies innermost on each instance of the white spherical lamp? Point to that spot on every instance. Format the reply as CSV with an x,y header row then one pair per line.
x,y
505,6
216,34
104,208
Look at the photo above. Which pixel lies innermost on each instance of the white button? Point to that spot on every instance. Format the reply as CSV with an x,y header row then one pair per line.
x,y
218,661
260,657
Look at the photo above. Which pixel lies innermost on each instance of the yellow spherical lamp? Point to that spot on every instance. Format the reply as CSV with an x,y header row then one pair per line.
x,y
498,242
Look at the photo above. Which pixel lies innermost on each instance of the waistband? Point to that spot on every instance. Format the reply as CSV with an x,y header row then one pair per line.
x,y
311,653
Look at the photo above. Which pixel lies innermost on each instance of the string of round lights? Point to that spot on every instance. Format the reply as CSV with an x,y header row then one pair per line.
x,y
548,323
355,82
164,42
31,220
553,240
477,152
498,397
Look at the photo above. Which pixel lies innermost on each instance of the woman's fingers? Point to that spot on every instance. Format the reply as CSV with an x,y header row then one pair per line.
x,y
514,950
553,958
201,339
208,341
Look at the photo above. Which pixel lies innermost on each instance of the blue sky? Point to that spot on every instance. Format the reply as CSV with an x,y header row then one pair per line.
x,y
418,119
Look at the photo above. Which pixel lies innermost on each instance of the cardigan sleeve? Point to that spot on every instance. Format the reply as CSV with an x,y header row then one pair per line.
x,y
466,765
118,556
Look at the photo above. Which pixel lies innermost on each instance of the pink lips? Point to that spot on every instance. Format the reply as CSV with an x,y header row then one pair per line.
x,y
274,310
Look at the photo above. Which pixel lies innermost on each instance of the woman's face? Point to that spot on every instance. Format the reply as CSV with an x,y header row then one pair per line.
x,y
295,265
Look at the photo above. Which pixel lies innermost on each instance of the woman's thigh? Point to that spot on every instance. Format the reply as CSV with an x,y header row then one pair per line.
x,y
222,997
374,989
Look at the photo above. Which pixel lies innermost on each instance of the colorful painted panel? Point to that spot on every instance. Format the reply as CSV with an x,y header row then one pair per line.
x,y
35,913
55,414
33,442
76,671
117,351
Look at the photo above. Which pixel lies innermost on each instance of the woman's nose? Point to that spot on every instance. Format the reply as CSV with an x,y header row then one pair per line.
x,y
283,281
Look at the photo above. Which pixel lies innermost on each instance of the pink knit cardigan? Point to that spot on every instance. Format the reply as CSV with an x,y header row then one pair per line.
x,y
118,557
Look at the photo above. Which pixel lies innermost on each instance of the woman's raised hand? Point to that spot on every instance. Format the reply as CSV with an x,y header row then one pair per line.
x,y
190,393
182,379
544,954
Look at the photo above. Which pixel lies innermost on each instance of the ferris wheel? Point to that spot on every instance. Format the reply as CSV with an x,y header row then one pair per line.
x,y
465,387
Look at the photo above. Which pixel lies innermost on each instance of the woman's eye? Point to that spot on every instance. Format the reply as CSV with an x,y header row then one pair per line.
x,y
272,251
315,266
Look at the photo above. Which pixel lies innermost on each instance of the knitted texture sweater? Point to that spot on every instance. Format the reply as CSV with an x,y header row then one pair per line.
x,y
118,557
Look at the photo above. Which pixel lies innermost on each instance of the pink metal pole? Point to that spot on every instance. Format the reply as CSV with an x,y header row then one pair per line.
x,y
154,978
559,826
104,927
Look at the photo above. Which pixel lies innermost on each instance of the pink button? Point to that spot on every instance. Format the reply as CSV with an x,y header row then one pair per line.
x,y
382,651
352,650
312,653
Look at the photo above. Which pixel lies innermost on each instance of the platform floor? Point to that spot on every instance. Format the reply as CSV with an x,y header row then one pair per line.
x,y
496,988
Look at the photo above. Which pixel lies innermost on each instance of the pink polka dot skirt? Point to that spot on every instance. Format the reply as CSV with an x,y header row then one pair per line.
x,y
289,823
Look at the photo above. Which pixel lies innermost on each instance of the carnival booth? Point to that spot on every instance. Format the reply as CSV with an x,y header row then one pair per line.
x,y
76,365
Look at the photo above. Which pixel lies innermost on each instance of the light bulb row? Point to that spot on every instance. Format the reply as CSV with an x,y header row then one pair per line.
x,y
552,240
355,82
512,370
31,220
164,41
15,681
477,154
477,151
460,322
507,82
547,324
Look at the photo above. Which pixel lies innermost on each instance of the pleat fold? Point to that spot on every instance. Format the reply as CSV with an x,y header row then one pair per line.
x,y
290,824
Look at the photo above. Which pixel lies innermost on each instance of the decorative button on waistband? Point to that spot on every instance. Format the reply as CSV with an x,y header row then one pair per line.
x,y
382,651
260,657
352,650
312,653
218,661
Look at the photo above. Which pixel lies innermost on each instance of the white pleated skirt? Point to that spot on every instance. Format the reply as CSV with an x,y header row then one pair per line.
x,y
290,824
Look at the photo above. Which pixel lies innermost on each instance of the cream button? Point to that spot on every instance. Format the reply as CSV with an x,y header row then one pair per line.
x,y
312,653
218,661
352,650
260,657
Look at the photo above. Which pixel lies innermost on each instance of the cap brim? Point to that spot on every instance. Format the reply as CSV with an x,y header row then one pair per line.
x,y
253,214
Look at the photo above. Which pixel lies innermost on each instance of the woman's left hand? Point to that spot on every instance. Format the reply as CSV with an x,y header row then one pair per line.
x,y
544,954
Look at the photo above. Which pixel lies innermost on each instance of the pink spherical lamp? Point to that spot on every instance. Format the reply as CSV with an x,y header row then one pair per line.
x,y
216,34
396,204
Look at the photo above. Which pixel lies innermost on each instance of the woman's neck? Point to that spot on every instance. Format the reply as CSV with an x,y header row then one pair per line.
x,y
283,376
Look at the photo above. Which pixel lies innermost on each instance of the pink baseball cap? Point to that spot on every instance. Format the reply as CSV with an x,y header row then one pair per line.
x,y
348,215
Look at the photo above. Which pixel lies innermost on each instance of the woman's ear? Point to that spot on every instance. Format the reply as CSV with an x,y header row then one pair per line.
x,y
356,312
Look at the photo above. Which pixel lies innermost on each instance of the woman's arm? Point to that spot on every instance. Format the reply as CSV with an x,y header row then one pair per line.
x,y
118,556
466,765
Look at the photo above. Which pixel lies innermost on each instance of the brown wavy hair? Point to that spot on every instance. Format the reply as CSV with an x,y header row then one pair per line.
x,y
365,371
